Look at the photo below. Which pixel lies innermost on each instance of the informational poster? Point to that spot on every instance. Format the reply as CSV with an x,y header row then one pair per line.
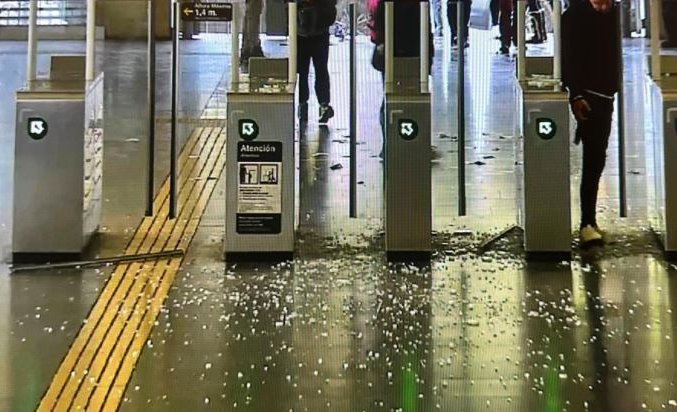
x,y
259,194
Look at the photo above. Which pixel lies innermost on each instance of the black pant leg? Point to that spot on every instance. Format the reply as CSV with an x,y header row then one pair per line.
x,y
505,20
594,134
304,53
452,17
321,63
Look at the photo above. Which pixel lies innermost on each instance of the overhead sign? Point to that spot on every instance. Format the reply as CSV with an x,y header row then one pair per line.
x,y
37,128
206,11
408,129
249,129
546,128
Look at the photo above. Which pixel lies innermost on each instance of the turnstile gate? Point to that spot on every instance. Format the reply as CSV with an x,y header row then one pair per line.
x,y
407,152
663,207
57,169
408,203
546,212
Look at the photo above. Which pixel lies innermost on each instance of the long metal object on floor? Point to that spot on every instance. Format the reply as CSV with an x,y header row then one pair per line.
x,y
173,137
150,189
460,112
98,262
620,113
353,114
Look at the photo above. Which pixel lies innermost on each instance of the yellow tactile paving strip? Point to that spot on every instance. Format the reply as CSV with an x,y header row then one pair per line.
x,y
94,374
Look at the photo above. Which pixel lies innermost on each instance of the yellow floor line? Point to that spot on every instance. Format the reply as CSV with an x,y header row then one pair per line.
x,y
99,364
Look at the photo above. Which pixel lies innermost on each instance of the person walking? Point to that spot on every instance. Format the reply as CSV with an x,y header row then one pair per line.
x,y
314,19
407,36
452,17
507,25
251,33
590,69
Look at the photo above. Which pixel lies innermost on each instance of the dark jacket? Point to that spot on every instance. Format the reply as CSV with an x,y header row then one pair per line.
x,y
407,30
315,17
590,50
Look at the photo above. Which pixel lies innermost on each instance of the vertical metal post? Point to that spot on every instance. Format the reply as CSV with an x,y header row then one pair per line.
x,y
424,68
621,117
90,56
175,83
150,194
557,43
656,13
353,115
235,49
460,113
389,41
293,40
521,41
31,70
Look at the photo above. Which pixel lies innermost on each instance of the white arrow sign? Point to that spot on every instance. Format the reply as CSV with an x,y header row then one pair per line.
x,y
37,127
247,129
545,128
407,129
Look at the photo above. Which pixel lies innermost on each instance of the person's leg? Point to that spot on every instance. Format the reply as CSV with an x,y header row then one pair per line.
x,y
320,63
505,21
495,11
452,17
436,9
251,41
303,67
322,82
594,134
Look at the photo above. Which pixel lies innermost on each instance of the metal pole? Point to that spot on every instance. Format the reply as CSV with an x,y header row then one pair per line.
x,y
557,33
90,57
621,117
353,115
390,41
655,9
293,40
150,194
460,113
173,142
521,41
424,69
235,49
31,71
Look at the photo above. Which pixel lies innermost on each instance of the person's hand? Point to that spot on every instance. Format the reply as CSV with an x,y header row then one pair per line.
x,y
581,109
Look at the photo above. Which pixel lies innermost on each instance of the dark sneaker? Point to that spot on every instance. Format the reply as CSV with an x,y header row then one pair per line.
x,y
504,51
326,113
303,111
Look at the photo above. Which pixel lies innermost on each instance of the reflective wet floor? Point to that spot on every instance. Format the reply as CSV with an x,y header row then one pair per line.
x,y
338,328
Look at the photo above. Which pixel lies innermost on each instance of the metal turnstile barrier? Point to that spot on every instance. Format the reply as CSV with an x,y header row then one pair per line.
x,y
57,168
663,207
407,155
546,212
261,214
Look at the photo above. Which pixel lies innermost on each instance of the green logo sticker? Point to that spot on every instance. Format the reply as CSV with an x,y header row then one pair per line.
x,y
37,128
546,128
249,129
408,129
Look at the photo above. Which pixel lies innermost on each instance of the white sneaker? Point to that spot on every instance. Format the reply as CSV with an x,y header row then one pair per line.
x,y
589,236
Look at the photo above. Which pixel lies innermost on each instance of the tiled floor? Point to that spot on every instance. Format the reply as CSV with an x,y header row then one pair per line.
x,y
338,328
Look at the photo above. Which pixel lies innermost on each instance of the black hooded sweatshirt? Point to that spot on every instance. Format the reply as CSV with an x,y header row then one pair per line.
x,y
590,55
